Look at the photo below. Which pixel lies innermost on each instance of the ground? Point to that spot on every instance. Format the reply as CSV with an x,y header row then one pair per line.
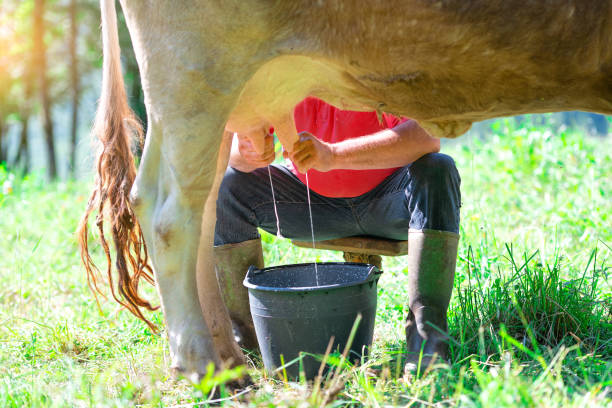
x,y
531,311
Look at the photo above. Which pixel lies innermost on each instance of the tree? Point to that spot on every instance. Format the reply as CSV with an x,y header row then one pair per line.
x,y
4,88
131,72
22,158
41,66
75,84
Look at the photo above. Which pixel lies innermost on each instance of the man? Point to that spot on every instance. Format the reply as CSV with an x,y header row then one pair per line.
x,y
367,177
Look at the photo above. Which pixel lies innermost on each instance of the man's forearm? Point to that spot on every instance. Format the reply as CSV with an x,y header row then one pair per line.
x,y
245,157
395,147
237,161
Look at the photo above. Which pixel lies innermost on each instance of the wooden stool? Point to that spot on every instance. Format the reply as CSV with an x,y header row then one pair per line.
x,y
361,249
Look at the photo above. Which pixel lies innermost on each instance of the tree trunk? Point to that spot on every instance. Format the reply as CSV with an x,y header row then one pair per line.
x,y
137,104
136,97
23,157
41,65
74,82
2,151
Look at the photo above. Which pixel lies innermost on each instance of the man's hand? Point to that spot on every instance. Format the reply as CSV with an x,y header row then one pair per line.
x,y
248,152
311,153
246,158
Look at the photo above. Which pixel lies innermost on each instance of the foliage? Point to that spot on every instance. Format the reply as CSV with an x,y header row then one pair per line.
x,y
20,84
16,45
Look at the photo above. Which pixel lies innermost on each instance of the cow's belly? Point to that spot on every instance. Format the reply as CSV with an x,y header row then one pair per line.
x,y
271,94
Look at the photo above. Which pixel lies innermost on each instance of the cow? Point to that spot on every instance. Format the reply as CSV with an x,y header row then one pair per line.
x,y
210,68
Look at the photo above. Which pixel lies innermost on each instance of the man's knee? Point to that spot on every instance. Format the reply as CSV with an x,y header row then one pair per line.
x,y
436,166
434,193
435,162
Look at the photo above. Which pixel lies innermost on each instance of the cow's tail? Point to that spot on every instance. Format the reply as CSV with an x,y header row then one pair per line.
x,y
114,127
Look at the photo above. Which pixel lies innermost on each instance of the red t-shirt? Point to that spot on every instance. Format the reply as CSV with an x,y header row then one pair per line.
x,y
332,125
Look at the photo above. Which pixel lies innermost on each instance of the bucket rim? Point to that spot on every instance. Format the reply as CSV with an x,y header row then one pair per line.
x,y
373,273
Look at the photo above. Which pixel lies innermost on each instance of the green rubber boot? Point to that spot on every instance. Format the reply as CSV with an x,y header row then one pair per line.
x,y
231,264
432,256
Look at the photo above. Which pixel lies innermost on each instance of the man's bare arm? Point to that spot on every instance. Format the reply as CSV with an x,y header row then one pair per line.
x,y
245,158
388,148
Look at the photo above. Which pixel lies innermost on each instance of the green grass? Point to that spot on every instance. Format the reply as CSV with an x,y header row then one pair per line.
x,y
530,315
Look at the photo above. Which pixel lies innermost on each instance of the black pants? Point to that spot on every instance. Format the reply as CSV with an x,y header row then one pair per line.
x,y
422,195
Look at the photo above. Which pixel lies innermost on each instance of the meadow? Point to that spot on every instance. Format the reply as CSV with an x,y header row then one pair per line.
x,y
530,317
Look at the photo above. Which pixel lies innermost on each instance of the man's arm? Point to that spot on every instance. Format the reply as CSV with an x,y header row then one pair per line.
x,y
245,158
388,148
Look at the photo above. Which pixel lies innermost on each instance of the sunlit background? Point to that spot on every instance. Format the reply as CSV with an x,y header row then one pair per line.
x,y
50,61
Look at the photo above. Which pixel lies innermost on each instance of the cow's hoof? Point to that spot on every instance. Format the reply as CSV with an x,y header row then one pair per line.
x,y
245,336
427,363
191,354
231,354
196,377
240,383
193,377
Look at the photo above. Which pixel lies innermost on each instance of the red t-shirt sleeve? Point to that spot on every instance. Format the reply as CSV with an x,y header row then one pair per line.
x,y
392,121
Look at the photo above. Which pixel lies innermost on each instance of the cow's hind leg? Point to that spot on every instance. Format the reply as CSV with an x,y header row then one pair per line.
x,y
213,307
176,175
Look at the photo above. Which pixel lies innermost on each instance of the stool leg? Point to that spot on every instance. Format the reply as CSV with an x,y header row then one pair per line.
x,y
375,260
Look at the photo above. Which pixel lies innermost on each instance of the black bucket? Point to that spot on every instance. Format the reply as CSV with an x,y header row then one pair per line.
x,y
293,314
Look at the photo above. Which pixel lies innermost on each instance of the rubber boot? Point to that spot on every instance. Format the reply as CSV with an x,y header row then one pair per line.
x,y
432,256
231,264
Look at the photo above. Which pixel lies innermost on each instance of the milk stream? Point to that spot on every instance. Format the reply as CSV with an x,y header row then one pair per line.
x,y
312,228
278,231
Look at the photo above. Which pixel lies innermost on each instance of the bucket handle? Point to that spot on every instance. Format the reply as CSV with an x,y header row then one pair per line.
x,y
373,272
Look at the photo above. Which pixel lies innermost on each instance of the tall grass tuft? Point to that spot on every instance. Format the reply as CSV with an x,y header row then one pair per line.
x,y
532,303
